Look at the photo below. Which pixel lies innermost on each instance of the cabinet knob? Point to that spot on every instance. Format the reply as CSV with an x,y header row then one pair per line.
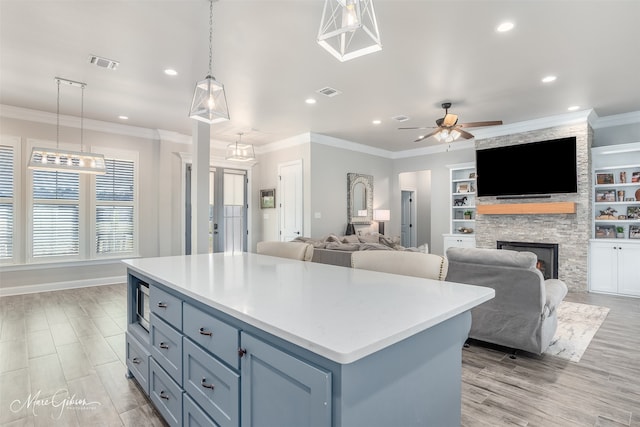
x,y
163,395
203,331
204,384
241,352
164,346
162,304
135,360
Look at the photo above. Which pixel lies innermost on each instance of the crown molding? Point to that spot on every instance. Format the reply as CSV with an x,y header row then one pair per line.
x,y
617,120
19,113
435,149
331,141
303,138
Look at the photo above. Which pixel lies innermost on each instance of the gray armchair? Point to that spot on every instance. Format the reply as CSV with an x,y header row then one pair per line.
x,y
523,313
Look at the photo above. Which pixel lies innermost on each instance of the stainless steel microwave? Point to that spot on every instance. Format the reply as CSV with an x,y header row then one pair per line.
x,y
142,304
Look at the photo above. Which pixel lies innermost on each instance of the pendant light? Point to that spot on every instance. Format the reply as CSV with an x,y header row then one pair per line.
x,y
209,103
349,29
58,160
240,152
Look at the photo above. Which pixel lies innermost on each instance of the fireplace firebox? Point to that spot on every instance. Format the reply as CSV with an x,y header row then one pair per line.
x,y
547,254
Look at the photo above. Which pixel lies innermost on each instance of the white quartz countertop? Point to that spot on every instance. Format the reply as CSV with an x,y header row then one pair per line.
x,y
340,313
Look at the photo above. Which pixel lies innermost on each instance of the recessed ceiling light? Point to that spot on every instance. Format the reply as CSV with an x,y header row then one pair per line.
x,y
123,117
548,79
574,108
376,121
170,72
310,101
504,27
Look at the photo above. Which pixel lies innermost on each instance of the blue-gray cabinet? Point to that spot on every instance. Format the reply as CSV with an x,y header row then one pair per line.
x,y
199,370
281,390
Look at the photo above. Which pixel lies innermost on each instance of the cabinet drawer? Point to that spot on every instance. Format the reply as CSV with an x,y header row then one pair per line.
x,y
213,335
138,361
166,306
165,394
212,385
166,347
193,416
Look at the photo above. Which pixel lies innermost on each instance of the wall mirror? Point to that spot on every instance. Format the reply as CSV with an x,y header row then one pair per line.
x,y
359,198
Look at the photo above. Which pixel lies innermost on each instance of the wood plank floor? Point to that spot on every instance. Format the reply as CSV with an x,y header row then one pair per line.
x,y
71,342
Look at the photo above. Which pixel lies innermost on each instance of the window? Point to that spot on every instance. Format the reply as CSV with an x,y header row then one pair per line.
x,y
115,202
6,202
56,214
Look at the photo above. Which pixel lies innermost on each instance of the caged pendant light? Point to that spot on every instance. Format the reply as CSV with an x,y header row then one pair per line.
x,y
209,103
58,160
240,152
349,29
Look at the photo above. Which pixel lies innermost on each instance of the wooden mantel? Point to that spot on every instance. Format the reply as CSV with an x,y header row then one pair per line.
x,y
527,208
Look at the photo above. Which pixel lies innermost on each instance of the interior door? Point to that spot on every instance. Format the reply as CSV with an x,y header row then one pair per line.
x,y
407,218
291,202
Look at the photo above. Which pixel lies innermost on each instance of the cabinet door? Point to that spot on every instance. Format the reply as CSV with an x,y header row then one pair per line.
x,y
628,270
279,389
603,266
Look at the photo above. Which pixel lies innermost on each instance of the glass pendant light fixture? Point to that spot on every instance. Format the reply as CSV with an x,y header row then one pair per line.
x,y
59,160
240,152
209,103
349,29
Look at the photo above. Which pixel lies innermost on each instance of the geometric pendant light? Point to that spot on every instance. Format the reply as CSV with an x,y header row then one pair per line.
x,y
209,103
59,160
349,29
240,152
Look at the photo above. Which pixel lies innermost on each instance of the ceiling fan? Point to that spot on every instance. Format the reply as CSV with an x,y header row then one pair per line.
x,y
448,129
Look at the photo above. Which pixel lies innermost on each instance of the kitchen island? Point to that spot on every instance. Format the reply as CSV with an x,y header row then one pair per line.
x,y
255,340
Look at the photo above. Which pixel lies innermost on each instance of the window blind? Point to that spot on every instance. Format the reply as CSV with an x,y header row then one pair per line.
x,y
115,218
6,202
56,214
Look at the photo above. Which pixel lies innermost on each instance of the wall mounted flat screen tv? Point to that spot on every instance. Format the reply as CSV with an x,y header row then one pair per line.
x,y
531,169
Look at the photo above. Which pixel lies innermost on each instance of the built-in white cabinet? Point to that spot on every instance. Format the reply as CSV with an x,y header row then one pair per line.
x,y
613,267
462,206
614,250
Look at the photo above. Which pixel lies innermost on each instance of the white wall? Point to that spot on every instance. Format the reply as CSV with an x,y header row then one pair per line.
x,y
329,168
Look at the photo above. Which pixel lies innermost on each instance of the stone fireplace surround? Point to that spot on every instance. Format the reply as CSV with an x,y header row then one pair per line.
x,y
570,231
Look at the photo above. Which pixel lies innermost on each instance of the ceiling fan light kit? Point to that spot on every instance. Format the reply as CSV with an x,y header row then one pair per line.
x,y
349,29
59,160
209,102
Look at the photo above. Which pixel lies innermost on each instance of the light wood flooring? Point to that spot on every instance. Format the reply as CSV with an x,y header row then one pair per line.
x,y
72,343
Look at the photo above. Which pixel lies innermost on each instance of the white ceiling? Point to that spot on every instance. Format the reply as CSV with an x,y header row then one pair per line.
x,y
265,53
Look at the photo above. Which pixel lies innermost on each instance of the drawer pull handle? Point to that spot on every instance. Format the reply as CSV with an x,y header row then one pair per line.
x,y
163,395
204,384
162,304
135,360
205,332
164,346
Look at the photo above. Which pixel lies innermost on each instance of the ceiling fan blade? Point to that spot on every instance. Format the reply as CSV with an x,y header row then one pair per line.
x,y
427,135
464,134
418,128
450,120
480,124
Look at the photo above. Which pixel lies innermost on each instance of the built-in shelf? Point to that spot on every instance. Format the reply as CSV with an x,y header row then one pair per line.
x,y
527,208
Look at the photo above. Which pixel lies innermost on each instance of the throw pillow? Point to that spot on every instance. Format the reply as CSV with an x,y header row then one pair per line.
x,y
351,239
370,238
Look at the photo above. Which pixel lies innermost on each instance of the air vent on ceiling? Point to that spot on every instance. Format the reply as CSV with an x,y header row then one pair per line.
x,y
400,118
103,62
329,91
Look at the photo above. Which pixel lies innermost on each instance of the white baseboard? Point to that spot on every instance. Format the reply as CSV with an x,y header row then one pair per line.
x,y
58,286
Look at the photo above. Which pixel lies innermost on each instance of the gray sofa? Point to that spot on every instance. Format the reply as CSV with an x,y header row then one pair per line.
x,y
523,313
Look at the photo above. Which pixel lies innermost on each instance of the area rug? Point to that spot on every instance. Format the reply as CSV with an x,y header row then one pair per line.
x,y
577,324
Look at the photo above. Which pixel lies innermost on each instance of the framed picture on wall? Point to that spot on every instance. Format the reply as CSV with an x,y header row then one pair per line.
x,y
268,198
634,231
